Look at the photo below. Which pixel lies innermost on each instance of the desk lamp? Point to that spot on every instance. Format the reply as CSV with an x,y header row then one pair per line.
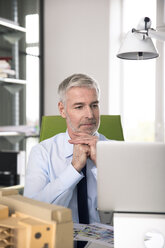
x,y
138,44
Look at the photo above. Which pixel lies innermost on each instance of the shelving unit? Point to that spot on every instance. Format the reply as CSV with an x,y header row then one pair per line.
x,y
18,126
12,101
11,35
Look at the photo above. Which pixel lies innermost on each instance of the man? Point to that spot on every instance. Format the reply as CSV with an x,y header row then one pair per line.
x,y
58,165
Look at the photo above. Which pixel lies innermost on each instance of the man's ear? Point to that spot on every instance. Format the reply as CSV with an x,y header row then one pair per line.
x,y
61,109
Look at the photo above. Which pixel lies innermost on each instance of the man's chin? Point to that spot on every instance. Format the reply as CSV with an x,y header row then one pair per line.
x,y
89,131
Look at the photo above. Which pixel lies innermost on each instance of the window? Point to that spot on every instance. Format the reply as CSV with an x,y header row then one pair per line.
x,y
32,69
134,89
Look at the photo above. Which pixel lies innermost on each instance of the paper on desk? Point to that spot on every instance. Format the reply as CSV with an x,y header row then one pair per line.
x,y
96,232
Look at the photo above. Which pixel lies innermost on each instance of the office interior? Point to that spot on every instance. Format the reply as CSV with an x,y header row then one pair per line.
x,y
62,37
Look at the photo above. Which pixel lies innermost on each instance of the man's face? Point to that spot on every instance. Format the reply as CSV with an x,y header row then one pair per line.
x,y
81,110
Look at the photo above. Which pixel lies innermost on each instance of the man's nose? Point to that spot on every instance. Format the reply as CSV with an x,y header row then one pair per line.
x,y
89,112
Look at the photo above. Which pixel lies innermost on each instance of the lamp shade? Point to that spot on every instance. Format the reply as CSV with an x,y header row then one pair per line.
x,y
135,47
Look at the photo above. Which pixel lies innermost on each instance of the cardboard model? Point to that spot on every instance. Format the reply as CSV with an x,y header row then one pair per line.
x,y
27,223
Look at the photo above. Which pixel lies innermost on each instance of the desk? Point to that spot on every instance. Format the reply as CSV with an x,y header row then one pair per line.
x,y
130,230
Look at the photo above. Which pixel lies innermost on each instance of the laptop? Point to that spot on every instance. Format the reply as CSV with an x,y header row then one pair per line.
x,y
131,176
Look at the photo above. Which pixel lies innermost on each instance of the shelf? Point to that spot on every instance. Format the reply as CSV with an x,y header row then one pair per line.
x,y
11,25
22,130
12,81
11,134
5,134
11,32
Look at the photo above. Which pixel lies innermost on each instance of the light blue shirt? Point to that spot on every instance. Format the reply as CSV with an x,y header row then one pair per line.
x,y
50,176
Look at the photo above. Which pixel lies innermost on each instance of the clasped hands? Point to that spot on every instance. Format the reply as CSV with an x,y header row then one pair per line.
x,y
84,147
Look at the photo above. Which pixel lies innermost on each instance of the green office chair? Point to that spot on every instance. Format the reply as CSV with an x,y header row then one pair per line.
x,y
110,126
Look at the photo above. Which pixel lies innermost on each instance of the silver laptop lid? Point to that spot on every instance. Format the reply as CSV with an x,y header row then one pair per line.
x,y
131,176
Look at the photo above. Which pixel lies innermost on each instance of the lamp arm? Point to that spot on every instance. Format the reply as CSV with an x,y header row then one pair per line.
x,y
140,31
159,35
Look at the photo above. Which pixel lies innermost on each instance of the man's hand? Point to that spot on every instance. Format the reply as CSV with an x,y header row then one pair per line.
x,y
84,147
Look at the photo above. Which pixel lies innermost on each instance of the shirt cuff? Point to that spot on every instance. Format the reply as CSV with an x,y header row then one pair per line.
x,y
70,177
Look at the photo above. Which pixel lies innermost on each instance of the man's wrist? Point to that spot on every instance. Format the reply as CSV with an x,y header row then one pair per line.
x,y
77,167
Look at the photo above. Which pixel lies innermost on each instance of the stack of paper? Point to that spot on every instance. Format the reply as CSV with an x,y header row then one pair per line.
x,y
95,233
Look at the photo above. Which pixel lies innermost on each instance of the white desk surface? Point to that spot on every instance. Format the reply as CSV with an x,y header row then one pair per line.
x,y
130,230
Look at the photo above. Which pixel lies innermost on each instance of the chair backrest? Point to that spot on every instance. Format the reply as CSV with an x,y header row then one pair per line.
x,y
110,126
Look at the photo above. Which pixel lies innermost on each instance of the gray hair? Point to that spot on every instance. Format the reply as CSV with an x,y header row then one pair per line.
x,y
76,80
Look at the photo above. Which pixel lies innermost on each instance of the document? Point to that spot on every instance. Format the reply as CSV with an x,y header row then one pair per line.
x,y
96,233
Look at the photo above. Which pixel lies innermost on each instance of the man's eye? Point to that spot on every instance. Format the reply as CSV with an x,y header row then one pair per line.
x,y
78,107
95,106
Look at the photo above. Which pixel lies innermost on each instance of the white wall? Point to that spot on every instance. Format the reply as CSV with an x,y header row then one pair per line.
x,y
76,41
